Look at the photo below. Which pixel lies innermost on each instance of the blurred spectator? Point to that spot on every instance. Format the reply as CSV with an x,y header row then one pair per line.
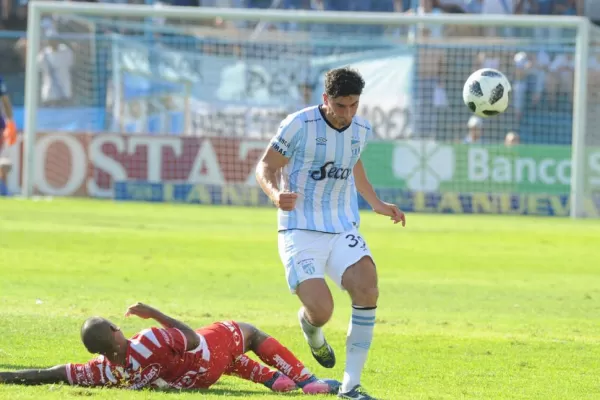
x,y
430,92
594,76
475,126
522,66
13,15
542,7
440,63
488,60
565,7
539,70
55,62
6,11
474,6
8,137
5,167
511,139
560,78
506,7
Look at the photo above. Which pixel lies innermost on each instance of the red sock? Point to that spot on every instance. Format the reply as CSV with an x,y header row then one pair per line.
x,y
246,368
276,355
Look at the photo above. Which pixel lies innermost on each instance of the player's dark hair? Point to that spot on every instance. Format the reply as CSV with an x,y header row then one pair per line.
x,y
342,82
97,335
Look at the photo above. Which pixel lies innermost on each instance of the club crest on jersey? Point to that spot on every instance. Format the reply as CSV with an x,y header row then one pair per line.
x,y
355,145
308,265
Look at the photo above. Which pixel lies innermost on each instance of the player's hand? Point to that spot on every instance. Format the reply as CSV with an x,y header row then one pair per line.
x,y
141,310
286,201
390,210
10,133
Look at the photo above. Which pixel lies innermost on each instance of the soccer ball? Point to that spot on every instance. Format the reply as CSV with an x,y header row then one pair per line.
x,y
487,92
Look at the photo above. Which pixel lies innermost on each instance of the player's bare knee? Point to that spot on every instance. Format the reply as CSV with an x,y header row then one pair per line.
x,y
319,315
318,311
253,337
317,300
360,280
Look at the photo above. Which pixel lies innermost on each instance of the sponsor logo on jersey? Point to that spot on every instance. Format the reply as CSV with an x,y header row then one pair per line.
x,y
330,171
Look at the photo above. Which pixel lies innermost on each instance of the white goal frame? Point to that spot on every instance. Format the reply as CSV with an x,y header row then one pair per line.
x,y
580,24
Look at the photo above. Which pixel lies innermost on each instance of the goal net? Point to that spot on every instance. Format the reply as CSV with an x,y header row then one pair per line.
x,y
177,104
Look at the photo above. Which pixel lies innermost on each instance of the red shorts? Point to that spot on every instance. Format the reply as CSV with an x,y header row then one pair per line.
x,y
225,343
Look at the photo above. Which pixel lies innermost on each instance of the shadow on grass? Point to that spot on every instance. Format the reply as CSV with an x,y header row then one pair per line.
x,y
18,367
225,392
217,390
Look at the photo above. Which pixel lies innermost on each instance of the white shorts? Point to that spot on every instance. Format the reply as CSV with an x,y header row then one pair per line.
x,y
309,254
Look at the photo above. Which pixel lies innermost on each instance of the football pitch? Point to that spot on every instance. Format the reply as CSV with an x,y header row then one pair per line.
x,y
471,307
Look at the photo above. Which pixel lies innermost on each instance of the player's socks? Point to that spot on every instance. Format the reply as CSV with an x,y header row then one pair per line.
x,y
246,368
276,355
280,383
319,348
313,385
358,342
313,335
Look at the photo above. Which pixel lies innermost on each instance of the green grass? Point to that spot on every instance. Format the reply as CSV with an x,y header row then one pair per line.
x,y
471,307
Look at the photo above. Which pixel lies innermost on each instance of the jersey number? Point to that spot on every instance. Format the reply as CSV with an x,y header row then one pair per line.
x,y
355,240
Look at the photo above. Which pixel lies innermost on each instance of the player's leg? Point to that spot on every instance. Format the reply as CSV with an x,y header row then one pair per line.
x,y
351,266
276,355
246,368
316,311
304,255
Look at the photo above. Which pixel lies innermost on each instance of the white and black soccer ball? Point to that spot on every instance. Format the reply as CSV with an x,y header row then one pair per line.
x,y
487,92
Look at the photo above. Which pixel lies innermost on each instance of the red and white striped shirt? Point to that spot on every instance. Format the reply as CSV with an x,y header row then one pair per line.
x,y
155,357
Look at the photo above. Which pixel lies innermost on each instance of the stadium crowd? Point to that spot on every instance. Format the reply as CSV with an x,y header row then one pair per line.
x,y
541,71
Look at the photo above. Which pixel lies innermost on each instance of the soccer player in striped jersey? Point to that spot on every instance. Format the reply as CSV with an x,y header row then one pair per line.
x,y
7,122
8,137
177,357
312,171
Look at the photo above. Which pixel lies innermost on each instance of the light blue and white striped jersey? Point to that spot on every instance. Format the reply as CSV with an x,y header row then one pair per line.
x,y
321,160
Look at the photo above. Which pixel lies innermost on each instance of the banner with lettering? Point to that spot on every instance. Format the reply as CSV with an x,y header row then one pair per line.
x,y
158,90
428,166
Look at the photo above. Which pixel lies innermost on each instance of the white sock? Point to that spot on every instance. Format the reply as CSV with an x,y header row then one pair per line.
x,y
312,334
358,342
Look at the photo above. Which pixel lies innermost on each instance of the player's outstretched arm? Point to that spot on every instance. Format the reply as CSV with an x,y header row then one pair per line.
x,y
144,311
364,187
266,174
56,374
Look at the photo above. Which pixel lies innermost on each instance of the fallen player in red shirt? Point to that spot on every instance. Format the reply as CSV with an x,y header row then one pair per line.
x,y
177,357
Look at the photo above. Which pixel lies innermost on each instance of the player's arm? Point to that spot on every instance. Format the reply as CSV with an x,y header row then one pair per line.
x,y
56,374
364,187
144,311
266,174
275,157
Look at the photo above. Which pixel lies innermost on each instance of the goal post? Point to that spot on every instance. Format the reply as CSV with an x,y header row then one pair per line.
x,y
332,27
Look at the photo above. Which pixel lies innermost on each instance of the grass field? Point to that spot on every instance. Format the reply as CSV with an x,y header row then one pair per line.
x,y
471,307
